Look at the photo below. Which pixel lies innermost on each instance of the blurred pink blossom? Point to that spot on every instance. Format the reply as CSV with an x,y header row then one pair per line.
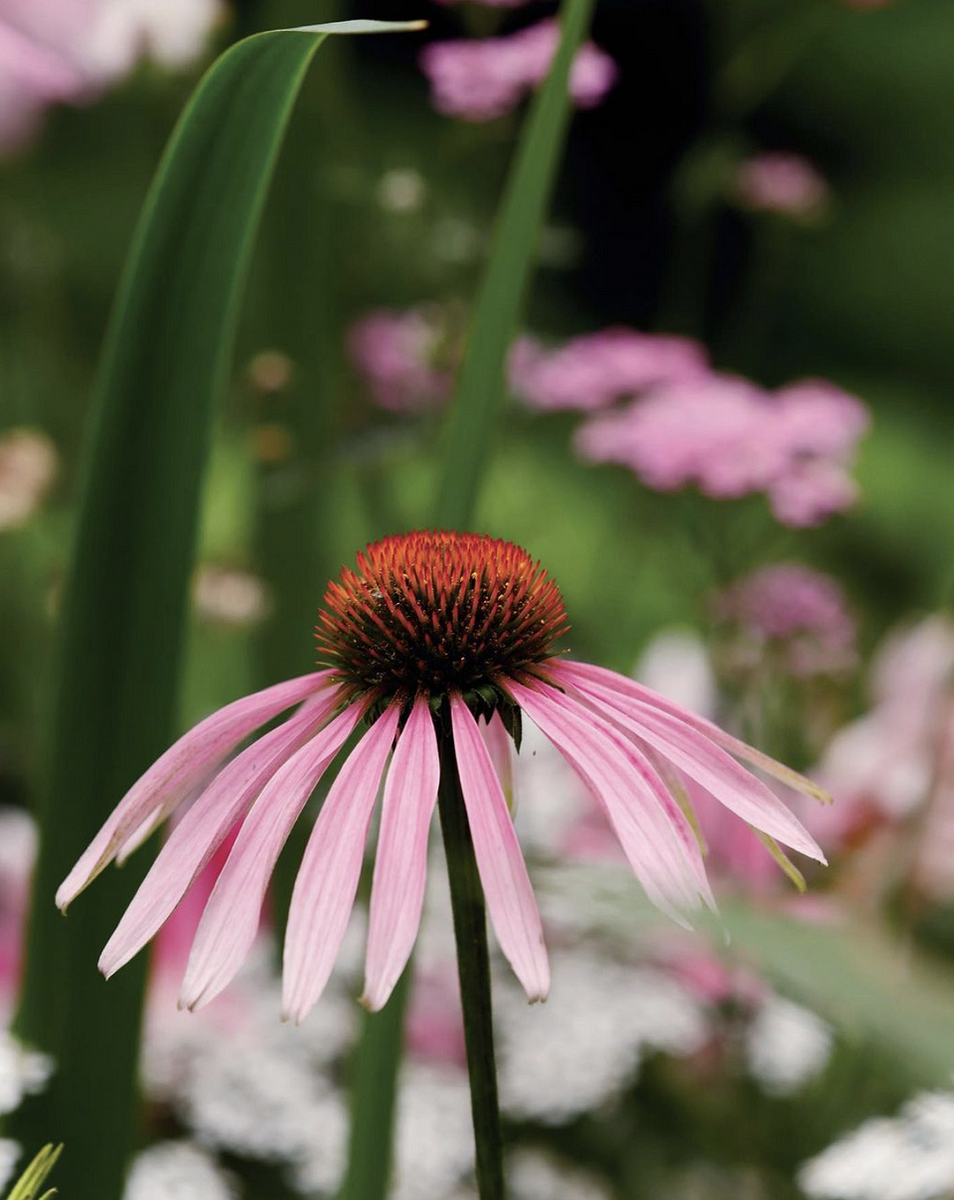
x,y
781,183
799,612
482,79
398,354
731,438
435,1025
17,851
713,979
887,760
594,370
68,51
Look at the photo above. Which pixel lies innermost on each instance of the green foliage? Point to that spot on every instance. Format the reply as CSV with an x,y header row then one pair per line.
x,y
503,287
164,365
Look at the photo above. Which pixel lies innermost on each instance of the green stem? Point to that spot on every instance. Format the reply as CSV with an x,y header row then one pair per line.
x,y
373,1087
473,968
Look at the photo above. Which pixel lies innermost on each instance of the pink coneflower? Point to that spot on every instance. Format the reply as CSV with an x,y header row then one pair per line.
x,y
482,79
431,635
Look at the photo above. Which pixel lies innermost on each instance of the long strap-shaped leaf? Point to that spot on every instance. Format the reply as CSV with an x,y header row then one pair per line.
x,y
503,289
165,361
473,414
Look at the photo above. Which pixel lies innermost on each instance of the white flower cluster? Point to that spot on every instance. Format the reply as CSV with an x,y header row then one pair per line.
x,y
243,1082
786,1046
177,1171
9,1153
907,1157
585,1044
537,1175
23,1072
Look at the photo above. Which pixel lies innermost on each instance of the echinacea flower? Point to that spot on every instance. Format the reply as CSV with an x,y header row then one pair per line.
x,y
431,635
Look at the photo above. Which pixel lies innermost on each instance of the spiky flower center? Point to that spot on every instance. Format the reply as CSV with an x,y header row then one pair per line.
x,y
439,612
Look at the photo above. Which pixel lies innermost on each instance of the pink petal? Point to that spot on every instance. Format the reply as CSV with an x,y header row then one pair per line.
x,y
204,827
230,921
39,70
176,773
328,877
711,767
660,846
503,873
582,673
400,866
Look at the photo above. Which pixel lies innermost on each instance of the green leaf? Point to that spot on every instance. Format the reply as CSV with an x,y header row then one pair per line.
x,y
871,985
503,289
32,1178
164,364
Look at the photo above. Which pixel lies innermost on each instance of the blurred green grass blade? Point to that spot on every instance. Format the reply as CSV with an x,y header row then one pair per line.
x,y
374,1072
480,386
871,986
164,363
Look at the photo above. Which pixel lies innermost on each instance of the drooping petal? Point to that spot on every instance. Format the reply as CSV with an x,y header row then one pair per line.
x,y
497,740
330,869
695,754
400,865
581,673
230,921
660,845
503,873
204,827
182,768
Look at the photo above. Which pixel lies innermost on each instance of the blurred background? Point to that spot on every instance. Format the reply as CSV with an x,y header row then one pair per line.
x,y
727,440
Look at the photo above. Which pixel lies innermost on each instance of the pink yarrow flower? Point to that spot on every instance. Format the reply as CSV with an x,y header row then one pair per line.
x,y
799,613
731,438
432,635
482,79
399,354
593,371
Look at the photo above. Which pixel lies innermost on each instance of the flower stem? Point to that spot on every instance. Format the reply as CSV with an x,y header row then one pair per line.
x,y
473,967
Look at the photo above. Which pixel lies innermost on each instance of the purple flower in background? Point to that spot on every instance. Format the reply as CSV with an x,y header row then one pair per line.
x,y
594,370
68,51
781,183
398,353
731,438
480,80
801,613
